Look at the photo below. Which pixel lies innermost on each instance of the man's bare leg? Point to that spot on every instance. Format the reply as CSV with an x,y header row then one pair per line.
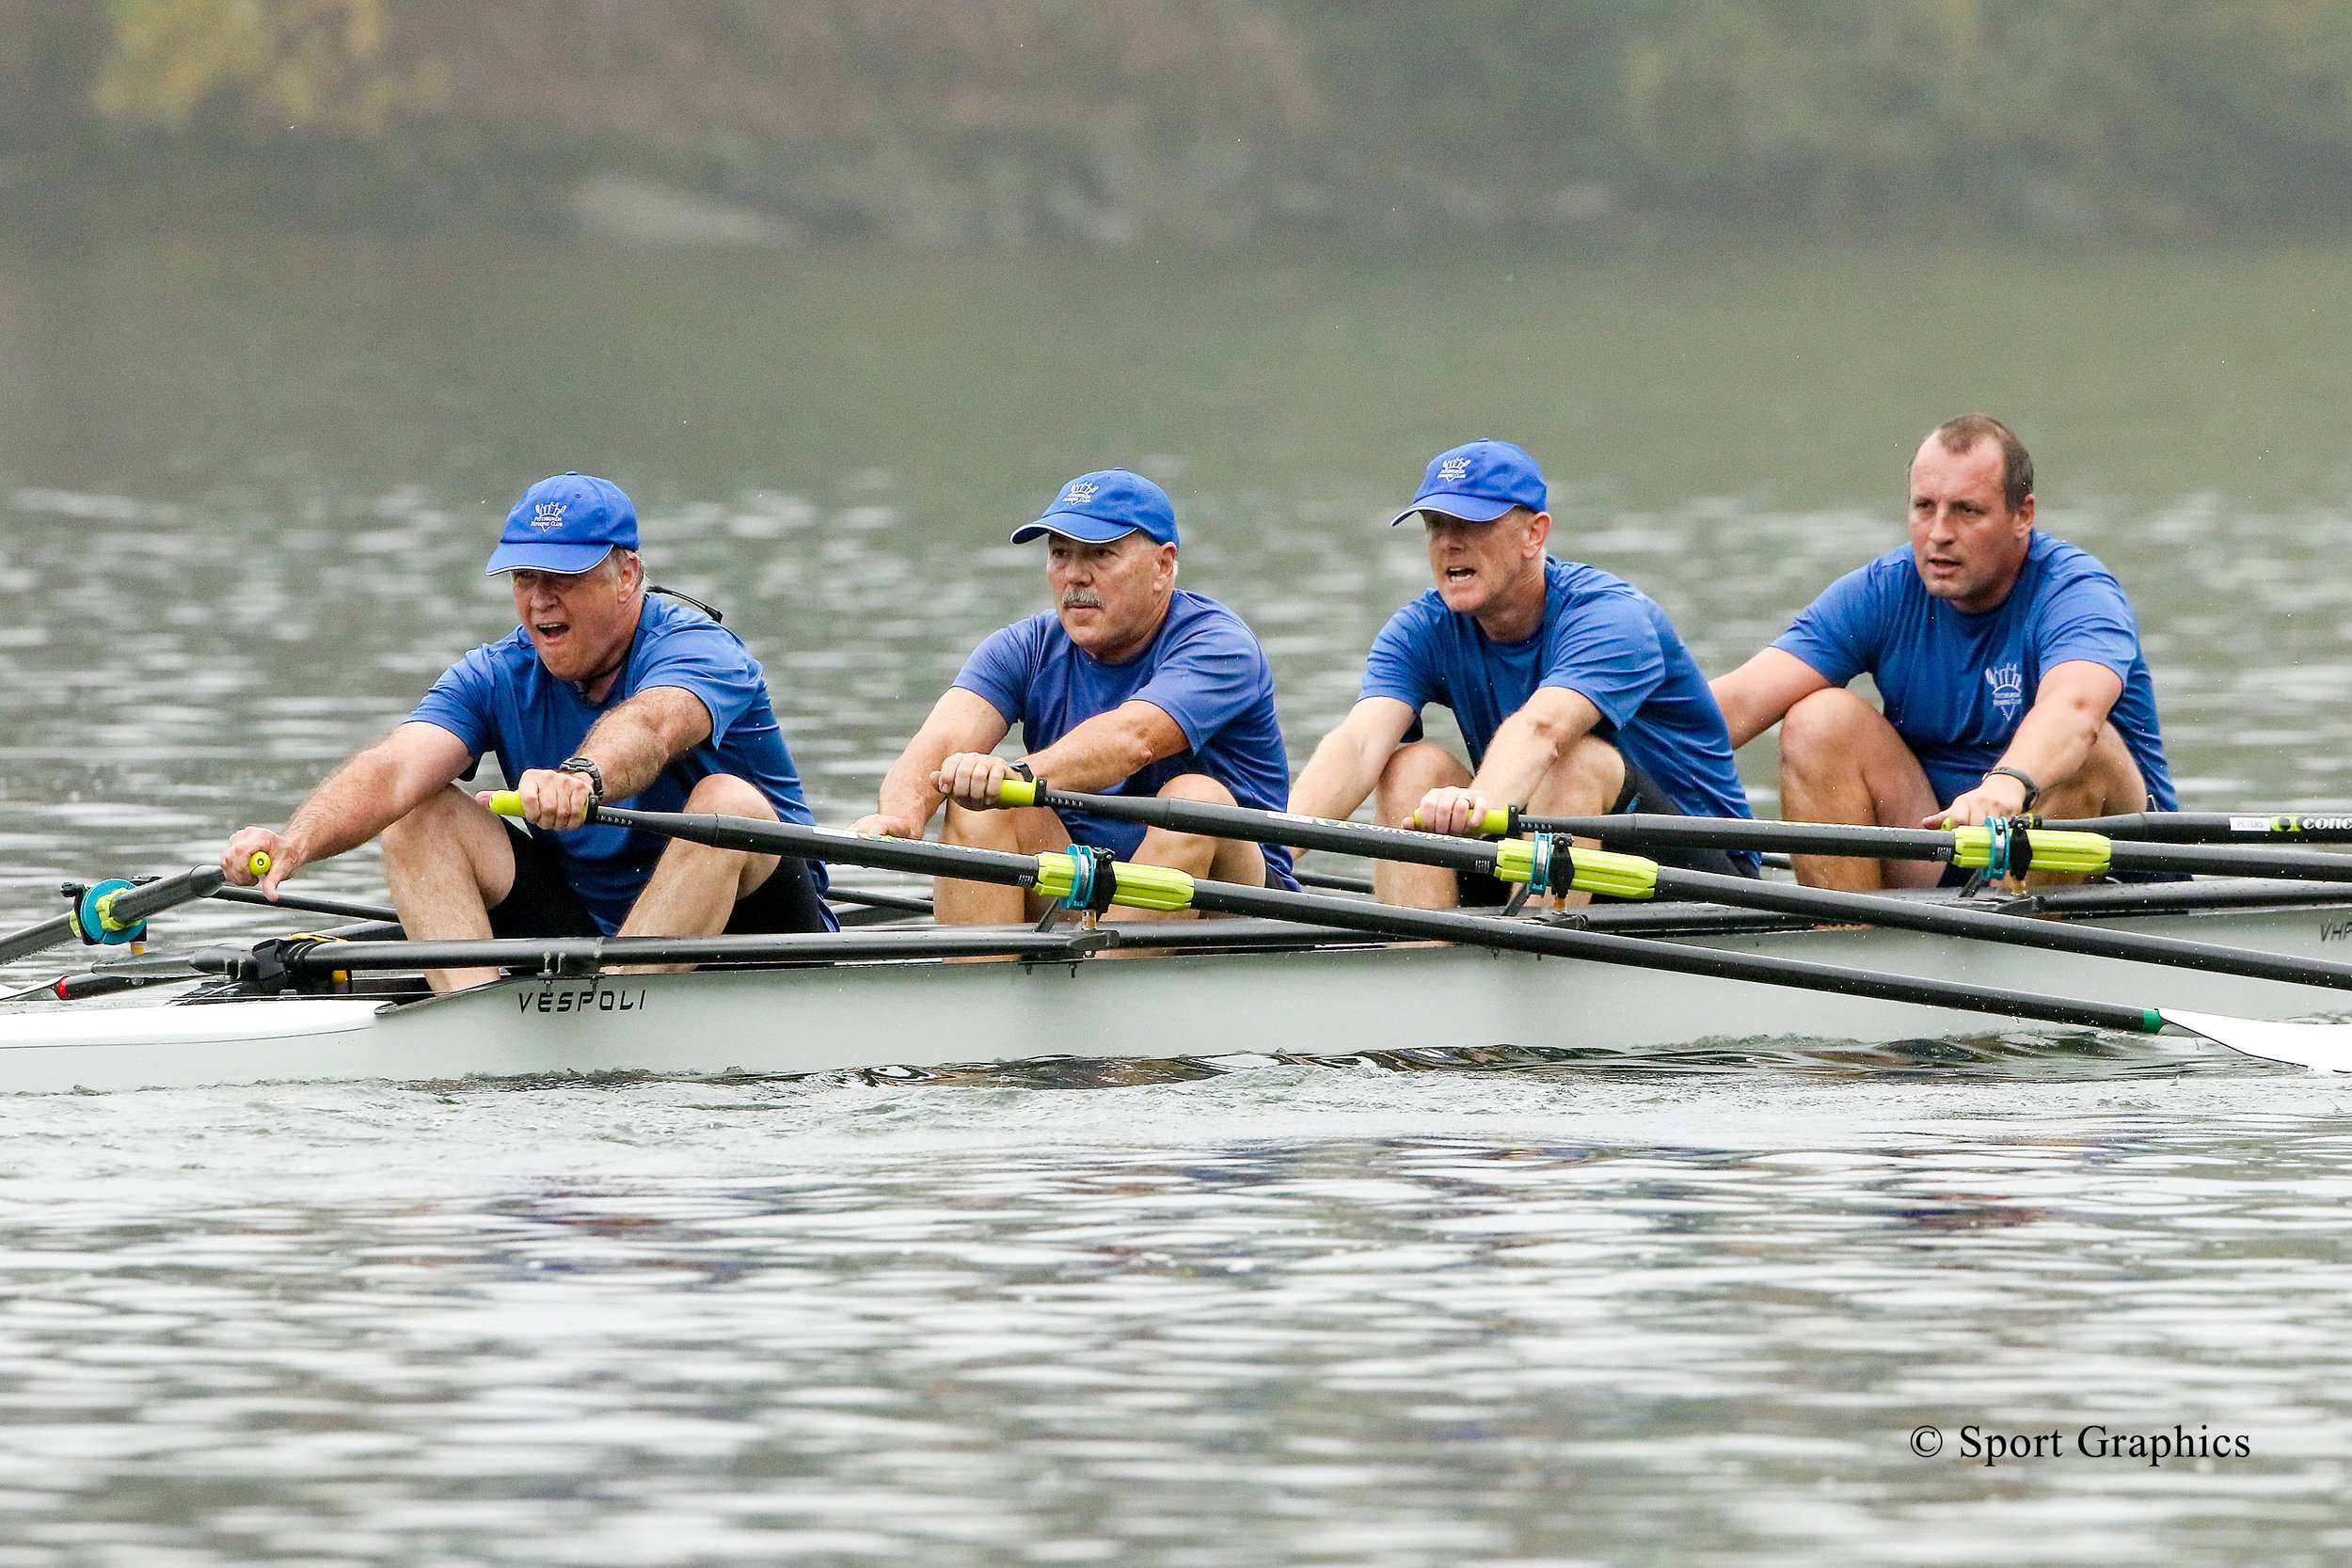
x,y
1411,772
2108,782
1585,781
449,863
1020,831
694,888
1197,855
1840,761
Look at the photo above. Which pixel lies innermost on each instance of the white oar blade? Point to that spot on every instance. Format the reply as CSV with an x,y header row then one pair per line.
x,y
2327,1047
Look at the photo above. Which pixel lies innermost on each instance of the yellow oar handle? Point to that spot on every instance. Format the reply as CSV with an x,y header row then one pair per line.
x,y
1138,887
1020,792
258,863
1602,871
1493,825
506,803
2053,850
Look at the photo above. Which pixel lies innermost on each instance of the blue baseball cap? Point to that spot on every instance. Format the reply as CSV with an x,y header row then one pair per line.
x,y
565,524
1103,506
1478,482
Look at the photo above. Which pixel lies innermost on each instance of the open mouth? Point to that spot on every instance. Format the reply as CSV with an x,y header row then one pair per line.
x,y
550,630
1460,573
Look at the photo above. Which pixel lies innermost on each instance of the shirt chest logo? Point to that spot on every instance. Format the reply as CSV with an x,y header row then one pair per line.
x,y
2008,682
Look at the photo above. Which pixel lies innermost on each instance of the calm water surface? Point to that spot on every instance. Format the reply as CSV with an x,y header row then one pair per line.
x,y
1295,1313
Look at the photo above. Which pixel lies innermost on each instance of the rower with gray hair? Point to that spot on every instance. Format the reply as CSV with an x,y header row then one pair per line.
x,y
1128,685
2009,664
602,695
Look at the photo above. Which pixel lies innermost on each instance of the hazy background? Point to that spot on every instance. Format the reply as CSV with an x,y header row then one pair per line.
x,y
1188,122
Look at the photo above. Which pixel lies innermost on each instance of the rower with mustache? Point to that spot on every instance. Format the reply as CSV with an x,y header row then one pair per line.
x,y
1573,693
602,695
2009,665
1129,686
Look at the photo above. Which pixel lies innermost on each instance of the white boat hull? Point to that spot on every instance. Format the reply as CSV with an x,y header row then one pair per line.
x,y
1327,1002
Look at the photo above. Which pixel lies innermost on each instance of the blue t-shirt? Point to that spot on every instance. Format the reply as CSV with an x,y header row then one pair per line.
x,y
499,698
1955,684
1601,638
1203,668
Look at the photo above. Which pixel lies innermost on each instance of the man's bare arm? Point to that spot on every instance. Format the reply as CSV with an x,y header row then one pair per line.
x,y
1760,693
1347,762
359,799
2052,743
961,721
1524,749
1106,749
630,746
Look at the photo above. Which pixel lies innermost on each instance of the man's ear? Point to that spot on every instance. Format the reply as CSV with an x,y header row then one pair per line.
x,y
1539,528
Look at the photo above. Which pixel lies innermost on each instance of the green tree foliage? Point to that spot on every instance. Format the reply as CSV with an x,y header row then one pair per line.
x,y
1115,119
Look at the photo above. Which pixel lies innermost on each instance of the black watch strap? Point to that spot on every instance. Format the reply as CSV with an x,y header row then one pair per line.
x,y
587,770
1022,768
2033,791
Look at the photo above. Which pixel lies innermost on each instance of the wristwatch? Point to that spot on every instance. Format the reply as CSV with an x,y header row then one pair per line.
x,y
2033,791
1022,768
587,770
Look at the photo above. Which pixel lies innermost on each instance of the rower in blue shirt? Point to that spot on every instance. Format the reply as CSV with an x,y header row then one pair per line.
x,y
2008,663
1128,685
602,693
1572,690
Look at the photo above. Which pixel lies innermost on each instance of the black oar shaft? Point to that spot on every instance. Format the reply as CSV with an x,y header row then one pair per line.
x,y
1821,904
1648,830
1390,921
2214,827
828,844
131,906
1985,925
1674,957
1300,832
1651,831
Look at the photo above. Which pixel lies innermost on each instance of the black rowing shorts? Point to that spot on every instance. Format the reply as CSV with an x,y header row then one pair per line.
x,y
1478,890
542,904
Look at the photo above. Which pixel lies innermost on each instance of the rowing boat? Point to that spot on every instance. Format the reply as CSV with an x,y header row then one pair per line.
x,y
890,996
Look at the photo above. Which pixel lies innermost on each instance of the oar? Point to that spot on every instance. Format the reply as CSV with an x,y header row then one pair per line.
x,y
2213,827
111,912
1090,879
1633,876
2042,848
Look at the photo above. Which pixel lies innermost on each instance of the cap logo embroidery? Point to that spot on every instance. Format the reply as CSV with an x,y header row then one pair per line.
x,y
549,514
1079,494
1454,468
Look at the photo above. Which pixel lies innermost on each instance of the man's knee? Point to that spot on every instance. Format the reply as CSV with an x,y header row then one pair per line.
x,y
1827,724
983,829
432,821
729,796
1196,787
2109,780
1412,771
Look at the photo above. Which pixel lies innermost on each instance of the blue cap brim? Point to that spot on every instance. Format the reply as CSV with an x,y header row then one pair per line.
x,y
1471,509
532,556
1090,531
